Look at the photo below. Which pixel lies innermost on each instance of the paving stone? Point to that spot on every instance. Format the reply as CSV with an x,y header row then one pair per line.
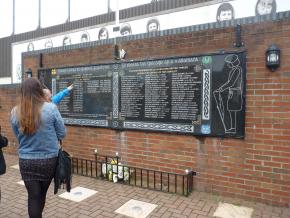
x,y
200,212
177,215
193,215
187,211
166,215
202,216
207,207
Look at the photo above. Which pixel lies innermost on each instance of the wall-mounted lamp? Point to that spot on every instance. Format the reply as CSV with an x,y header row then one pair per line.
x,y
28,73
273,57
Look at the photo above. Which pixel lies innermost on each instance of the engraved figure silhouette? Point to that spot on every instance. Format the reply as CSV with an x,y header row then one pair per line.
x,y
228,96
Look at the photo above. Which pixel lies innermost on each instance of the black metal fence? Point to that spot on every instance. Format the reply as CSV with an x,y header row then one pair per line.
x,y
110,168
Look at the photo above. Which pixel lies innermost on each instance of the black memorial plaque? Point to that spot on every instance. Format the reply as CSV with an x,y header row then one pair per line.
x,y
91,84
161,95
199,95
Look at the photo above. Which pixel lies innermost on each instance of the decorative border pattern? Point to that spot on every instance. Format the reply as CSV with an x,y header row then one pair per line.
x,y
86,122
53,86
206,79
115,95
159,126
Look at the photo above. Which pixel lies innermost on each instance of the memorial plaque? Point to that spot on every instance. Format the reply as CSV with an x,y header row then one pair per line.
x,y
162,95
90,101
198,95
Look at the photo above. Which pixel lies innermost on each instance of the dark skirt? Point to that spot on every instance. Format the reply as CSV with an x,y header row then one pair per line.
x,y
37,169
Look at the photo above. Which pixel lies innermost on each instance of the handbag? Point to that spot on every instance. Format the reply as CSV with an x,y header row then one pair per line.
x,y
63,174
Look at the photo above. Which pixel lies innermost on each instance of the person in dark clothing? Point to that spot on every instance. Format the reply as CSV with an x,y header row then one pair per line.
x,y
3,143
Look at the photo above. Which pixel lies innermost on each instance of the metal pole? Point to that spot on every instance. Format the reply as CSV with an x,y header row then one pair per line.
x,y
117,21
39,14
68,14
13,28
117,13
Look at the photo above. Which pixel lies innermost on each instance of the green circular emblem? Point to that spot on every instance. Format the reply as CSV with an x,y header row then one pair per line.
x,y
206,60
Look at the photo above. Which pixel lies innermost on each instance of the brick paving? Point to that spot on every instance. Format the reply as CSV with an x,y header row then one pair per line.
x,y
111,196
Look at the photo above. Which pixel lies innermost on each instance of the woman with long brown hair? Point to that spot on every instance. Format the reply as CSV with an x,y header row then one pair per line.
x,y
38,126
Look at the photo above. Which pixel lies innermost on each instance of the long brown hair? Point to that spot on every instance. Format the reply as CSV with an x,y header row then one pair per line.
x,y
29,108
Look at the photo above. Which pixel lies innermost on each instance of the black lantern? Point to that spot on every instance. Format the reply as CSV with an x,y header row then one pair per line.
x,y
273,57
28,73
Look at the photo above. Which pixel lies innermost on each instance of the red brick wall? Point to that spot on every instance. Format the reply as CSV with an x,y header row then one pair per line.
x,y
255,168
8,98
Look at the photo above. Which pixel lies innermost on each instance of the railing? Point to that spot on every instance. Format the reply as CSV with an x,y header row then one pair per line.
x,y
109,168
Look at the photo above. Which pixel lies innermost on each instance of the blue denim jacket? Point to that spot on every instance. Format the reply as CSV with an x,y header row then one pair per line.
x,y
44,143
